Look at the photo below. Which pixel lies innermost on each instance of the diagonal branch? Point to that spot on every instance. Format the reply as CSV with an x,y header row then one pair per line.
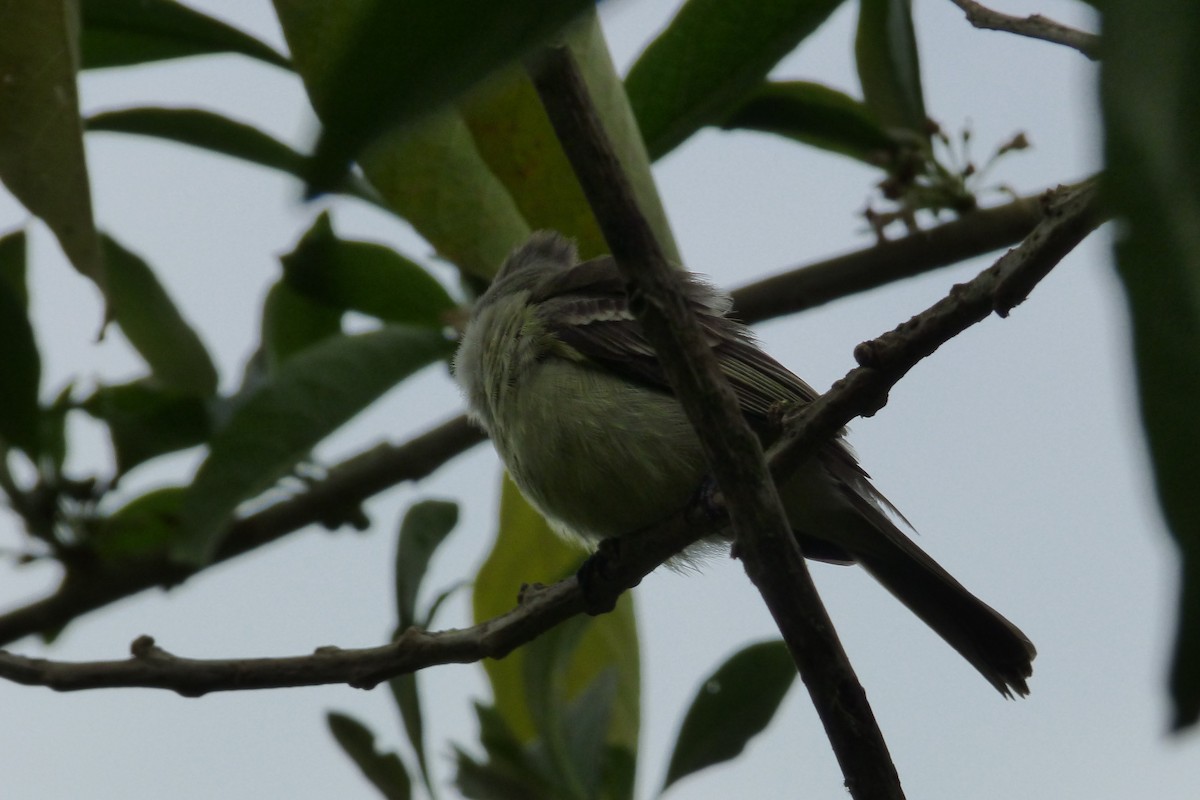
x,y
1071,214
1034,26
764,539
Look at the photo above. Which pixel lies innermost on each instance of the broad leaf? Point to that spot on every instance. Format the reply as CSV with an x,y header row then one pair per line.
x,y
710,57
219,134
142,528
734,705
1151,103
20,363
118,33
385,771
815,115
888,68
402,60
515,138
509,773
147,419
430,172
154,326
41,137
292,323
527,551
365,277
307,398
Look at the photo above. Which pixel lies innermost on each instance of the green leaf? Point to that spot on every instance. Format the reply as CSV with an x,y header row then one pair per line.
x,y
815,115
365,277
408,700
20,363
402,60
545,666
515,138
733,706
586,719
41,137
425,527
154,326
527,551
13,251
292,323
53,432
711,55
888,68
220,134
118,33
307,398
385,771
146,419
509,773
1152,112
142,528
430,172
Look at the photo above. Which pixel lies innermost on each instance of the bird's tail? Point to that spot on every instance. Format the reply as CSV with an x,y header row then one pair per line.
x,y
994,646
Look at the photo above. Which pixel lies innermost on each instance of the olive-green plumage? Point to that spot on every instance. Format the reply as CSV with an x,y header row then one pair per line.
x,y
556,369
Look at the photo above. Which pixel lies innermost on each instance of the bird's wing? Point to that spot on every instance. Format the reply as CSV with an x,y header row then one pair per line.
x,y
585,308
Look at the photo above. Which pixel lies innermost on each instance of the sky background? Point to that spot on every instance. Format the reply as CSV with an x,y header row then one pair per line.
x,y
1015,451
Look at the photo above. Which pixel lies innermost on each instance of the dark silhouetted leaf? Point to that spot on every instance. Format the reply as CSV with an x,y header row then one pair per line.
x,y
402,60
430,171
118,33
292,323
733,706
888,68
41,137
20,363
143,527
365,277
425,527
815,115
219,134
307,398
154,326
385,771
1151,103
711,55
146,419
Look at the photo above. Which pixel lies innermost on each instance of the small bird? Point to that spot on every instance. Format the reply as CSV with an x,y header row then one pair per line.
x,y
556,368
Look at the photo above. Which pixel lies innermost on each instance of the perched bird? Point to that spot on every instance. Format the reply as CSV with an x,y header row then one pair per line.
x,y
556,368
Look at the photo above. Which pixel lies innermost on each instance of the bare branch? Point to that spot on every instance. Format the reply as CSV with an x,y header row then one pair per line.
x,y
1035,27
1071,214
809,286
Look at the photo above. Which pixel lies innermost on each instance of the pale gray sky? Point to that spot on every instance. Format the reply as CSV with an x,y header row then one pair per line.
x,y
1014,450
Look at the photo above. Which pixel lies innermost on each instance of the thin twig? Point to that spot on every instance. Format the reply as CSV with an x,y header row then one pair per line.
x,y
1034,26
765,542
90,585
1071,214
